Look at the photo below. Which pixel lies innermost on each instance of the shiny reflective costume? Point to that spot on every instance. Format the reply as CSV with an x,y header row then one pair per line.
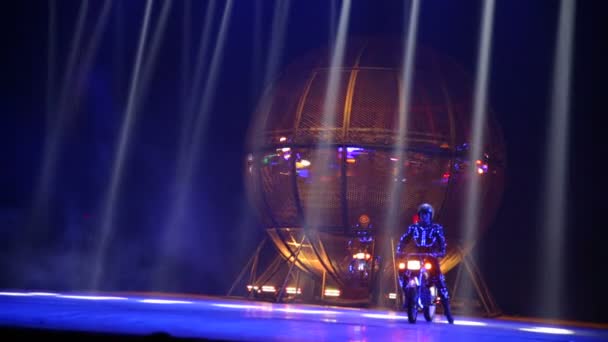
x,y
428,239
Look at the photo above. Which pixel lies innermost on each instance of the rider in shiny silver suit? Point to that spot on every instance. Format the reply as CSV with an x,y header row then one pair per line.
x,y
428,237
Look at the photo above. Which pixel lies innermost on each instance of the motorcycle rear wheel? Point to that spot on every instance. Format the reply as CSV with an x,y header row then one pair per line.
x,y
412,313
411,304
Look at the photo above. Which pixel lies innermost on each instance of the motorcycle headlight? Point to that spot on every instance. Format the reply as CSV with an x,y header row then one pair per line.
x,y
413,264
269,288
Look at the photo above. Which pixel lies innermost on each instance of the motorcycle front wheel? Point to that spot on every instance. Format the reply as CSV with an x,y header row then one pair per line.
x,y
429,312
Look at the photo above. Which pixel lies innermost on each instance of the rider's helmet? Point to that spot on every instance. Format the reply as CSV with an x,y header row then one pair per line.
x,y
364,222
426,208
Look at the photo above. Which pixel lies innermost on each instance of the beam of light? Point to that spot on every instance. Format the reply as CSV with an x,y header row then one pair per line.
x,y
276,48
164,301
58,117
50,64
65,94
408,72
333,11
256,60
471,216
192,132
405,93
185,54
69,101
89,53
187,167
118,50
277,38
193,95
85,63
277,42
110,201
548,330
323,149
556,168
335,68
150,58
329,113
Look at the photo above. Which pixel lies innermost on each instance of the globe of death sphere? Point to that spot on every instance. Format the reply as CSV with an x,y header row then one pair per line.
x,y
340,157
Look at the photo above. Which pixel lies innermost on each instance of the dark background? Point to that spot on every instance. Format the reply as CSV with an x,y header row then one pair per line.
x,y
49,247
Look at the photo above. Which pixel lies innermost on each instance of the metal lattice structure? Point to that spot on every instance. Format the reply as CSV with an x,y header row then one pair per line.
x,y
297,165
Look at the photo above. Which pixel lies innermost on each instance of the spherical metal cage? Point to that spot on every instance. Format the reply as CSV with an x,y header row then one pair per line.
x,y
298,165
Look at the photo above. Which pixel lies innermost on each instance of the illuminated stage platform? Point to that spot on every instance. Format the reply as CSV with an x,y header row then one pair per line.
x,y
119,316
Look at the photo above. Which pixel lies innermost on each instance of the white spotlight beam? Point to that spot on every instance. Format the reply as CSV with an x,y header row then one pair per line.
x,y
328,120
478,122
186,170
89,56
185,53
335,70
195,91
208,94
50,72
110,201
333,10
56,131
277,38
408,61
67,80
277,41
69,99
191,96
472,207
556,166
397,187
256,59
405,94
151,57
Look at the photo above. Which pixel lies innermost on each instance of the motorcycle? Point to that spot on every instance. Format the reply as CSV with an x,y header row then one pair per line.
x,y
361,263
360,266
418,293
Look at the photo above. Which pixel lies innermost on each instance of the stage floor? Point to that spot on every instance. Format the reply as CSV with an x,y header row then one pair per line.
x,y
176,317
